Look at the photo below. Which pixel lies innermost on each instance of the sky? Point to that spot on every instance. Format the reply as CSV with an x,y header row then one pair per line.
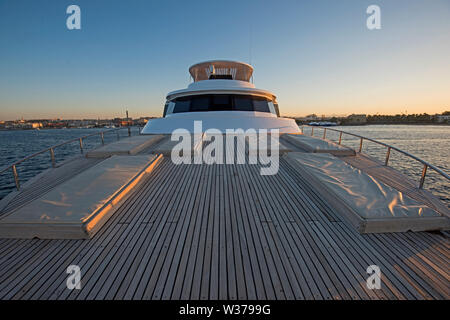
x,y
315,56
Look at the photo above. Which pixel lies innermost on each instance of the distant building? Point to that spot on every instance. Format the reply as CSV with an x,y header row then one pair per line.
x,y
122,122
142,121
36,125
443,118
356,119
311,117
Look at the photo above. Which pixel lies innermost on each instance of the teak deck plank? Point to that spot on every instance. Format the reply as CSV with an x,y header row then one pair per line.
x,y
346,229
285,250
182,248
226,232
260,221
189,246
265,263
131,279
158,216
172,242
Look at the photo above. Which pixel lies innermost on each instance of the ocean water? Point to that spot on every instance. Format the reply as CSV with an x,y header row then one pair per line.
x,y
430,143
17,144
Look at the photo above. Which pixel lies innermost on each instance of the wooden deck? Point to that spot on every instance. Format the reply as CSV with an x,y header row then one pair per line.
x,y
226,232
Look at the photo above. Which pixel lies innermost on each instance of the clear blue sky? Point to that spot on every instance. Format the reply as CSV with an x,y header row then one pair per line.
x,y
316,56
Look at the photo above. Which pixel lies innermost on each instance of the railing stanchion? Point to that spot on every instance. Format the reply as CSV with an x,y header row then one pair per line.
x,y
360,145
51,150
52,156
81,145
422,178
103,138
117,132
312,131
388,153
16,177
324,133
340,137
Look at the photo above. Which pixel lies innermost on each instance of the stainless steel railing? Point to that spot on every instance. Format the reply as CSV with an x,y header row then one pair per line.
x,y
425,164
51,150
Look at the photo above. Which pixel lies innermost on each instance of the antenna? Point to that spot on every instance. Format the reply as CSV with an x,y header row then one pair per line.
x,y
250,48
250,44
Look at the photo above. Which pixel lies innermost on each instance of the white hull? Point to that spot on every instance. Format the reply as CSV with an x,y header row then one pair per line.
x,y
221,120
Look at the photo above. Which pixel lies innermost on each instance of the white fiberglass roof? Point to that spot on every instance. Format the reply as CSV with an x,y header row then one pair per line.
x,y
221,76
220,86
235,69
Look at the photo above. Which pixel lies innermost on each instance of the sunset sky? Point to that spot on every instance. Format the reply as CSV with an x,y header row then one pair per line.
x,y
316,56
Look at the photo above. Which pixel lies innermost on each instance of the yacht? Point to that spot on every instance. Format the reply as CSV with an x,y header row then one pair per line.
x,y
124,221
222,97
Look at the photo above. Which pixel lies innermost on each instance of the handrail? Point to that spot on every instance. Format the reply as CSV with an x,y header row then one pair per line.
x,y
426,165
52,153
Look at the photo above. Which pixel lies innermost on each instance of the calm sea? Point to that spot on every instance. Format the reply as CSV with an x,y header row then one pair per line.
x,y
430,143
17,144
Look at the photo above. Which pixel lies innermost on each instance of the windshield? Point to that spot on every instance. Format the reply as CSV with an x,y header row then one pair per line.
x,y
221,102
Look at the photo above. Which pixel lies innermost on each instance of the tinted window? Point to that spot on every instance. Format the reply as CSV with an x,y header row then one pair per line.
x,y
243,103
277,110
200,103
182,105
260,104
165,108
221,76
220,102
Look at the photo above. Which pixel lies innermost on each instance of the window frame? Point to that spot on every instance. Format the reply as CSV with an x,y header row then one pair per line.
x,y
272,106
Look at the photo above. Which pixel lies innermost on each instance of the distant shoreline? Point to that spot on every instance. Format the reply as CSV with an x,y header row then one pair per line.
x,y
384,124
387,124
339,125
62,128
34,129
